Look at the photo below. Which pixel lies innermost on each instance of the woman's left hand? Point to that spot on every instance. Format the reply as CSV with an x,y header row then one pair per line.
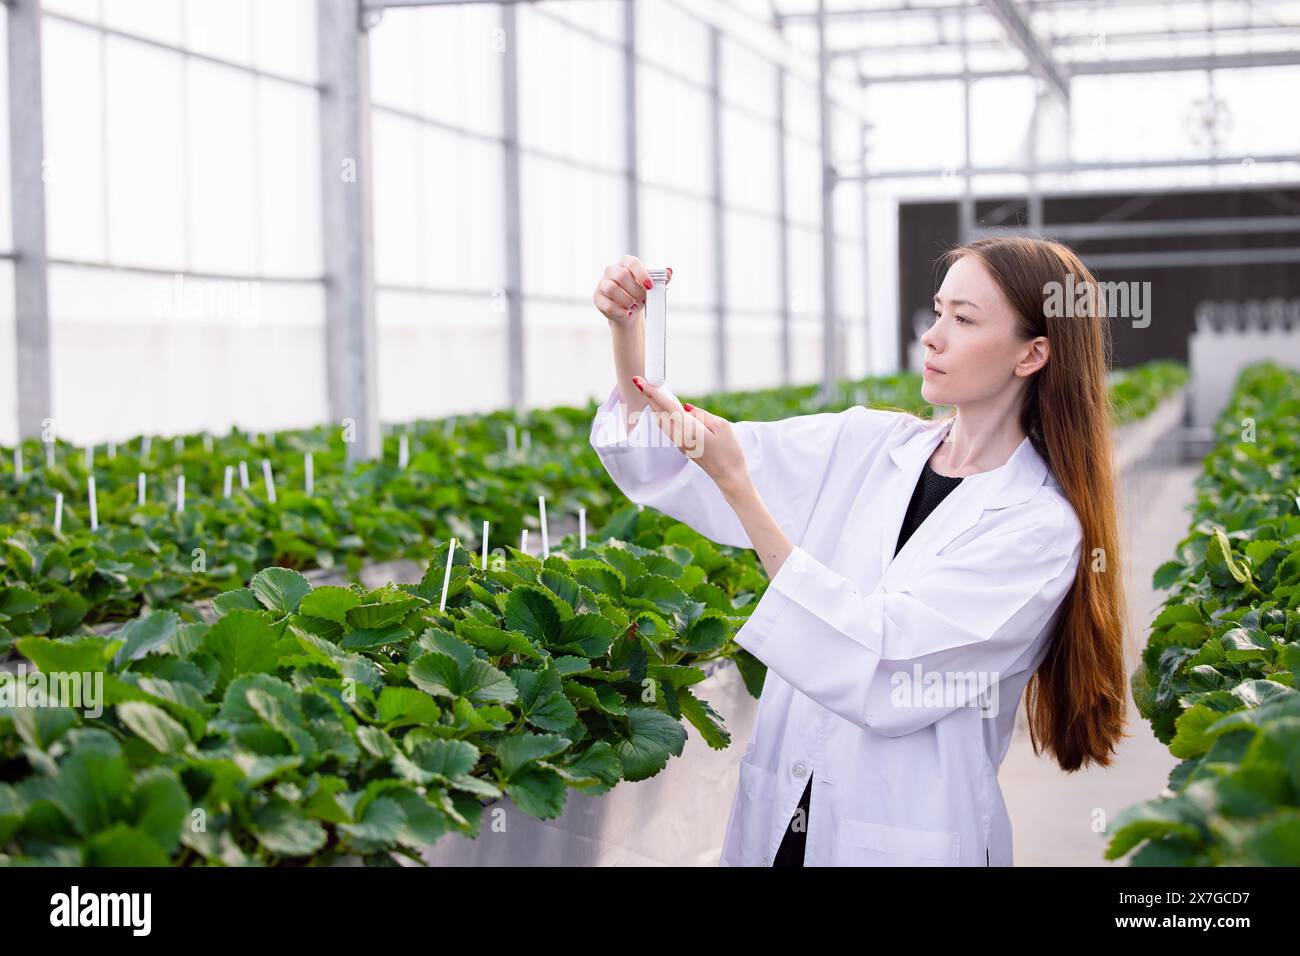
x,y
704,437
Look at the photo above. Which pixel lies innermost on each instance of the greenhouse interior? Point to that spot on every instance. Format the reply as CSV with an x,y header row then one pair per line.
x,y
921,487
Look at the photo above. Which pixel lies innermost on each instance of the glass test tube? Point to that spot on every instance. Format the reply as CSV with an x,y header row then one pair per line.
x,y
656,328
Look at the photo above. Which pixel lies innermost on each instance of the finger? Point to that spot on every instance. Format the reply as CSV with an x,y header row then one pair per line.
x,y
656,397
616,294
710,421
611,309
640,274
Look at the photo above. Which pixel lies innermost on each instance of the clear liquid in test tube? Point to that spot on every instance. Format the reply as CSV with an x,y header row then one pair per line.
x,y
656,328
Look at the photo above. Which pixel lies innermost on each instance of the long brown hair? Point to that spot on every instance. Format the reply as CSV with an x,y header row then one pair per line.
x,y
1077,698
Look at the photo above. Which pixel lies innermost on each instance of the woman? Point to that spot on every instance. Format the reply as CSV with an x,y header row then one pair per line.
x,y
896,660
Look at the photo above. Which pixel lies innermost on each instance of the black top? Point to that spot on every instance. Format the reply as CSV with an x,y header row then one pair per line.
x,y
931,488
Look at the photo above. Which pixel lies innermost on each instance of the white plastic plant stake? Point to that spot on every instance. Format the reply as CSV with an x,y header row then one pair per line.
x,y
523,541
139,489
49,454
446,575
94,503
230,480
179,443
18,464
58,512
207,443
180,493
270,481
112,450
582,527
403,451
308,473
528,439
483,560
656,328
145,444
90,457
546,541
243,475
510,438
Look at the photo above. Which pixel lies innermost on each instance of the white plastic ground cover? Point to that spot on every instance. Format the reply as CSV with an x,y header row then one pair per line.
x,y
675,818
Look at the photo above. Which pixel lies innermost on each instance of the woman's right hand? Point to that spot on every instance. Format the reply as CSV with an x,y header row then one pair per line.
x,y
622,289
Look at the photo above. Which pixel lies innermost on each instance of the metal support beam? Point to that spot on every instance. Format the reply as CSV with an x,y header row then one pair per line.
x,y
783,219
868,357
1167,64
832,354
630,130
1193,258
514,291
1080,166
719,212
346,211
1035,193
1019,32
27,187
966,208
1150,228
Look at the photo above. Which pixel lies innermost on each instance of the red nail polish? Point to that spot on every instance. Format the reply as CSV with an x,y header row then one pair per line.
x,y
670,273
689,407
637,382
649,284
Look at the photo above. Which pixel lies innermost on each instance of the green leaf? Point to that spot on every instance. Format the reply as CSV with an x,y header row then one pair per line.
x,y
329,603
651,738
381,615
541,697
280,589
80,655
496,641
659,591
381,824
443,676
155,726
517,752
538,792
121,845
1167,575
145,635
161,807
589,635
242,598
704,719
242,643
536,612
366,639
284,831
402,706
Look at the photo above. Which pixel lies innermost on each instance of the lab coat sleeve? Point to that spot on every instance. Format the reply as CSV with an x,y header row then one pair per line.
x,y
787,459
969,619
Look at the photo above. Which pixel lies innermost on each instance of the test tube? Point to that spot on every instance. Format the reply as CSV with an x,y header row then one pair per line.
x,y
656,328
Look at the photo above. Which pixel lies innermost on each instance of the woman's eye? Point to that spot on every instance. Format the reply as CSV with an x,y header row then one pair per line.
x,y
962,318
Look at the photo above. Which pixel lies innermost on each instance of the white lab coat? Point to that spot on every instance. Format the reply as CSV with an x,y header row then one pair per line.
x,y
903,774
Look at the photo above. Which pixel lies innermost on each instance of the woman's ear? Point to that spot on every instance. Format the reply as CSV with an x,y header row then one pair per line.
x,y
1039,350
